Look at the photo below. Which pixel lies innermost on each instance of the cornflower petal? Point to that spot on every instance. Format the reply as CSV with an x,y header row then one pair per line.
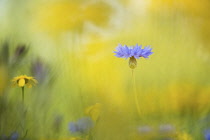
x,y
136,51
146,52
127,52
119,52
123,51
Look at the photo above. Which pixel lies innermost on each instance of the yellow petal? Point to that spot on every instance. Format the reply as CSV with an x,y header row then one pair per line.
x,y
29,85
184,136
21,83
94,111
75,138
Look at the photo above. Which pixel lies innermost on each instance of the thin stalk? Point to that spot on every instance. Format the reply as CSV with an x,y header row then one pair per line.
x,y
24,116
23,94
135,94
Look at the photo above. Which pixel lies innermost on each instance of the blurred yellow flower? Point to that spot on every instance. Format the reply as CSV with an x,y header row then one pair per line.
x,y
70,16
75,138
186,6
183,136
23,80
94,111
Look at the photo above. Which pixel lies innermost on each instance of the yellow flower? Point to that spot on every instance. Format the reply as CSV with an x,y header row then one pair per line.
x,y
184,136
75,138
23,80
64,16
94,111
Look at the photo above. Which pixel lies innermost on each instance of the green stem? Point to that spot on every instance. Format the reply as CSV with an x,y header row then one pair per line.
x,y
24,116
135,93
23,94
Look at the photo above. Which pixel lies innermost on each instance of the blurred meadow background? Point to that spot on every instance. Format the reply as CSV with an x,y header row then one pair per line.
x,y
84,92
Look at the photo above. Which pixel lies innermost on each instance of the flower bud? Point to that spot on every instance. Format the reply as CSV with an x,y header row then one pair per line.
x,y
132,62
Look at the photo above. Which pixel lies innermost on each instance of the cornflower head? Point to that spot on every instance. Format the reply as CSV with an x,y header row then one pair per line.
x,y
133,52
83,125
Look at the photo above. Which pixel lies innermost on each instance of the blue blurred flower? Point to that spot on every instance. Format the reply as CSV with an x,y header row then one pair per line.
x,y
83,125
13,136
144,129
207,134
57,123
73,127
133,53
166,128
41,71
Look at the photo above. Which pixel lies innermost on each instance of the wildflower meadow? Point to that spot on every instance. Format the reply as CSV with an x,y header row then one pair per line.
x,y
104,70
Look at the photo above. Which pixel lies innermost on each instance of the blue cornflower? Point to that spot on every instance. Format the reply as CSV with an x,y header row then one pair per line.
x,y
83,125
133,53
207,134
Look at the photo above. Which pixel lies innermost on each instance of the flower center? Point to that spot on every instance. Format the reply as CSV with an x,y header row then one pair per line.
x,y
21,82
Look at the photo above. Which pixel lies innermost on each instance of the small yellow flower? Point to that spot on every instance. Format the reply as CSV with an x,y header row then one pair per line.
x,y
75,138
23,80
184,136
94,111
